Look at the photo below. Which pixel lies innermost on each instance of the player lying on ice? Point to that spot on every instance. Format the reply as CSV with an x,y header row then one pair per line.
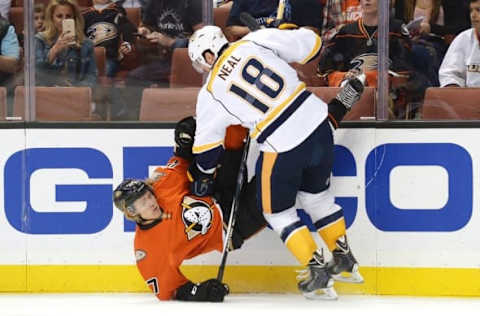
x,y
174,225
251,83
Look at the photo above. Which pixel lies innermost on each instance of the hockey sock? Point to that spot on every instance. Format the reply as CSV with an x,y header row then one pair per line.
x,y
331,228
299,241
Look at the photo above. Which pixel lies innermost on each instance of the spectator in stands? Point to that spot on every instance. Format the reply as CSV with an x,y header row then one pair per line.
x,y
39,17
106,25
430,10
428,48
261,10
38,22
354,49
338,13
64,59
455,16
9,57
165,26
300,12
130,3
5,8
461,66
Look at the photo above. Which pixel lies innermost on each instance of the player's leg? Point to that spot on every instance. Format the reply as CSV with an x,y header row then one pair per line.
x,y
315,198
330,224
278,181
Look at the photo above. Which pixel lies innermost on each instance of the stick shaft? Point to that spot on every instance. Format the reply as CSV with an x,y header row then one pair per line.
x,y
281,9
233,212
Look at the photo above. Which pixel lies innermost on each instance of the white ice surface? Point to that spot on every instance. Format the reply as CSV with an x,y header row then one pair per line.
x,y
241,305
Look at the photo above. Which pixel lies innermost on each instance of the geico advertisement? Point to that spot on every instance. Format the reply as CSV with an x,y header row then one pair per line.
x,y
409,196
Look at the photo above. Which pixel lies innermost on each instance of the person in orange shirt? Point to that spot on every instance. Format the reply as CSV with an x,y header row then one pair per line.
x,y
173,225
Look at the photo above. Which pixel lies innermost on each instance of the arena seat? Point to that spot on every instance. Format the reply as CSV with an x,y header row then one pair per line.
x,y
134,15
3,103
173,104
220,16
182,73
57,103
364,108
168,104
16,18
451,104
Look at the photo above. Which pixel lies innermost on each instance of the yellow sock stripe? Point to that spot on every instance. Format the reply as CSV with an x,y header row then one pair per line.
x,y
267,167
332,232
301,244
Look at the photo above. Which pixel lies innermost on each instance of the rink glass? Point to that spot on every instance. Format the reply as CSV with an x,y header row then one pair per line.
x,y
397,97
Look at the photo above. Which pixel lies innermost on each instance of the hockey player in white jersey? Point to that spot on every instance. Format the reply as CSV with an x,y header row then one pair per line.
x,y
251,83
461,65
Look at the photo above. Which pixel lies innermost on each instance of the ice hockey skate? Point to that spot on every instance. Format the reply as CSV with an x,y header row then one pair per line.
x,y
343,267
315,282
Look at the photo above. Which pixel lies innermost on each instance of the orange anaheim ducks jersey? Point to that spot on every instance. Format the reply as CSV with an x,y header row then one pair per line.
x,y
195,227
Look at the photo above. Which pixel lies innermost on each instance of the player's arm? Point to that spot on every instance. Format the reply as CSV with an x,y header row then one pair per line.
x,y
301,45
349,94
212,122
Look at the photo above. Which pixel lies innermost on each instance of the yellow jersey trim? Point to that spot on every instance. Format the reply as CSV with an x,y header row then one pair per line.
x,y
206,147
316,49
220,61
273,115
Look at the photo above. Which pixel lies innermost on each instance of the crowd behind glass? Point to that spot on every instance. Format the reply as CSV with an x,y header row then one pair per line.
x,y
119,49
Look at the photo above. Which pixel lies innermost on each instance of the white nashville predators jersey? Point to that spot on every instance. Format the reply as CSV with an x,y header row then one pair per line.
x,y
252,84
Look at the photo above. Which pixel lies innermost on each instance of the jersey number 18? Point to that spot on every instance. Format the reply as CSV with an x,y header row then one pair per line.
x,y
252,72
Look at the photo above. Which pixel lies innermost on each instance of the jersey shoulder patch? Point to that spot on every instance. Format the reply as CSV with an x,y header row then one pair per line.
x,y
140,254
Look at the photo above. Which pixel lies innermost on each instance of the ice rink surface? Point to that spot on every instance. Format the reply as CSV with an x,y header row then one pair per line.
x,y
244,305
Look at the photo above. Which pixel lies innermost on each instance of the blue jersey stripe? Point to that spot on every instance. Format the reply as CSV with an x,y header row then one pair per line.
x,y
283,117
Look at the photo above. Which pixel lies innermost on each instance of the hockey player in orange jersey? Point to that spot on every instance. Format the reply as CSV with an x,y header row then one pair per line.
x,y
173,225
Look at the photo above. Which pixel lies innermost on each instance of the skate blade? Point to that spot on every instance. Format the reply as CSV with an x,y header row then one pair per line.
x,y
346,277
327,294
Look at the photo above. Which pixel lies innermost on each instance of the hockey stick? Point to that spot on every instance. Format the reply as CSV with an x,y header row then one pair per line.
x,y
252,24
233,211
280,10
249,21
